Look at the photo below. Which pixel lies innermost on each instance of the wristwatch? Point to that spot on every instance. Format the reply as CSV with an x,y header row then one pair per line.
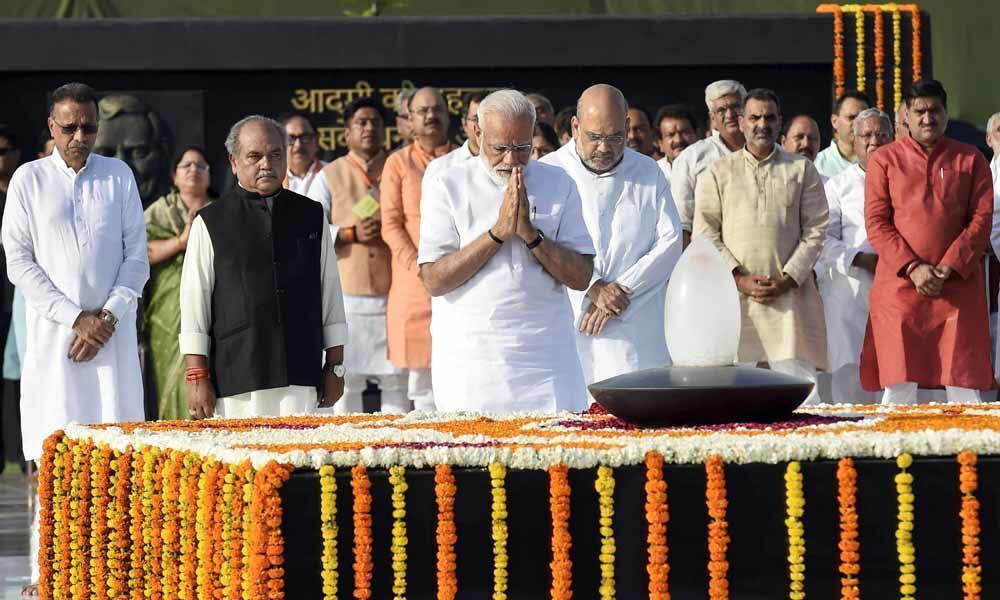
x,y
337,369
108,317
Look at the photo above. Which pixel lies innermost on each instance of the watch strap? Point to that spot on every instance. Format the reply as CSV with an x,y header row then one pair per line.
x,y
537,241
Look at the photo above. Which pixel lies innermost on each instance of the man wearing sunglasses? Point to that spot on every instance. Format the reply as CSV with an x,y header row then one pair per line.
x,y
501,238
637,234
75,240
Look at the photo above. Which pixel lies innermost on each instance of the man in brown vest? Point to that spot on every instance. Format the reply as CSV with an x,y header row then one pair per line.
x,y
363,258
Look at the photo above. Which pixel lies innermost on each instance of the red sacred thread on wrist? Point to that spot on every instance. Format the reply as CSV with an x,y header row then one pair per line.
x,y
196,373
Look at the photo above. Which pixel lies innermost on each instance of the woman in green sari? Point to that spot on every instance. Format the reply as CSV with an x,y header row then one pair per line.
x,y
168,223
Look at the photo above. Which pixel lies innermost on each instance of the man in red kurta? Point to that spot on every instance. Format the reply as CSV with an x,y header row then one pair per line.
x,y
928,212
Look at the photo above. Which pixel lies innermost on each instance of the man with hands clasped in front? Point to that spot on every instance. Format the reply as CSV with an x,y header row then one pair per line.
x,y
501,238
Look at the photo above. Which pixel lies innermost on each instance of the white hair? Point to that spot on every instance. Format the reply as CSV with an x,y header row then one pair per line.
x,y
868,113
510,104
723,87
233,139
992,121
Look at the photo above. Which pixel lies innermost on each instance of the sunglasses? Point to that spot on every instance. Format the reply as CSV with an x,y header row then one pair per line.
x,y
88,128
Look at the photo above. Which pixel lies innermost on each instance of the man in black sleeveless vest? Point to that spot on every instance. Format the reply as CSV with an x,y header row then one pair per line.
x,y
260,292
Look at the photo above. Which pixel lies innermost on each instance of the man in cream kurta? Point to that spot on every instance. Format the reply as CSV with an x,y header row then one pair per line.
x,y
846,267
500,240
633,223
765,210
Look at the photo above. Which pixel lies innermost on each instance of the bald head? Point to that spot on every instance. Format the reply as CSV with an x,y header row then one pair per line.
x,y
429,117
600,126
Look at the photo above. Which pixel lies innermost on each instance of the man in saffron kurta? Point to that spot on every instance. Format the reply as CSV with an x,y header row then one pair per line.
x,y
928,213
408,312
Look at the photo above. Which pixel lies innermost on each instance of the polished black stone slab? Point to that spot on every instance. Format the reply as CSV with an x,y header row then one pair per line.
x,y
701,395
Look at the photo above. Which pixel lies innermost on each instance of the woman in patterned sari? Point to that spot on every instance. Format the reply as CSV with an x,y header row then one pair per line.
x,y
168,223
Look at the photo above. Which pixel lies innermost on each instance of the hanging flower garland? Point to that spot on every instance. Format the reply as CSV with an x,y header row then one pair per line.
x,y
879,58
968,484
839,77
100,486
562,541
154,573
328,529
49,480
446,534
119,541
361,487
81,514
138,555
498,515
397,477
657,515
918,56
859,41
897,59
238,529
904,530
718,538
171,522
605,486
188,577
204,525
267,546
795,503
249,475
847,490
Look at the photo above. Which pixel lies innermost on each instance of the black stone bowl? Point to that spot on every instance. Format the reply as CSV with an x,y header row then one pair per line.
x,y
701,395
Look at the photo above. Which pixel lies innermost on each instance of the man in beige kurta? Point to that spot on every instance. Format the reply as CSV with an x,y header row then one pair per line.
x,y
766,212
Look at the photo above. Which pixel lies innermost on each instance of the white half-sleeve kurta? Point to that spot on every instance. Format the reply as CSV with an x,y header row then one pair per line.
x,y
995,243
843,287
197,285
503,341
633,223
74,242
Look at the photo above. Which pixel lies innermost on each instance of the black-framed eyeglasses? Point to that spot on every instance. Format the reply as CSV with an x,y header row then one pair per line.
x,y
736,109
4,151
611,140
88,128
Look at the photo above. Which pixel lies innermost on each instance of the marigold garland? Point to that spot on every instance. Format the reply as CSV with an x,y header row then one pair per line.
x,y
879,59
446,535
897,59
100,484
850,558
361,488
49,480
154,574
859,41
328,529
498,516
904,529
839,78
562,542
137,556
204,522
657,515
605,486
397,478
718,537
795,503
188,576
968,484
118,541
170,531
227,508
918,57
267,545
81,518
237,540
64,524
248,490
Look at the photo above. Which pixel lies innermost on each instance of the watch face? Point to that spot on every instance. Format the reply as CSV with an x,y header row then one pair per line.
x,y
339,370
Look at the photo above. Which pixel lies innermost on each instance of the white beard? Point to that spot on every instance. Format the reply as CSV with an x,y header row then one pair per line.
x,y
495,177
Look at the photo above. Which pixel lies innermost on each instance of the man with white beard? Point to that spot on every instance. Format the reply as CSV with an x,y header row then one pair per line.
x,y
500,240
636,231
846,266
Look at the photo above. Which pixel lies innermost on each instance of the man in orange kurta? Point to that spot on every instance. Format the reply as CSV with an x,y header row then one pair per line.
x,y
408,313
928,213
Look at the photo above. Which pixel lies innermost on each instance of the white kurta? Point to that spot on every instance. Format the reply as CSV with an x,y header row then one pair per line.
x,y
197,286
995,243
312,185
689,164
830,162
844,287
666,168
76,241
442,164
503,341
633,222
